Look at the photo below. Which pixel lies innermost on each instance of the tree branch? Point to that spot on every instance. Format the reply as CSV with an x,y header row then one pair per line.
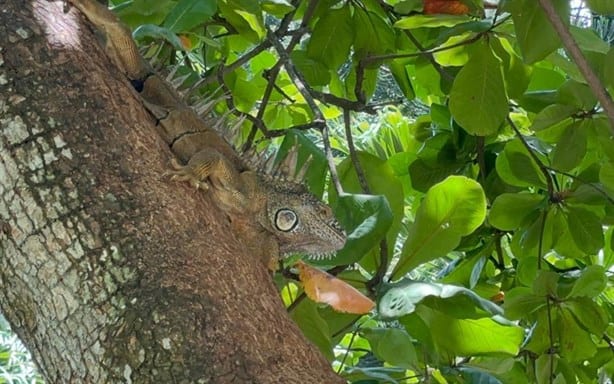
x,y
576,54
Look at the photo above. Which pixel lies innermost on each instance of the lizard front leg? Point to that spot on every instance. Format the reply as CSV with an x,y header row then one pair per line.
x,y
207,168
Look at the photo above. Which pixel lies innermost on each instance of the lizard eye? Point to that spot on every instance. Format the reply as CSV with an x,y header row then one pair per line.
x,y
285,220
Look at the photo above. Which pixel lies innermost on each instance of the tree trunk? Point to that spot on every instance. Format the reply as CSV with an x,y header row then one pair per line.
x,y
109,272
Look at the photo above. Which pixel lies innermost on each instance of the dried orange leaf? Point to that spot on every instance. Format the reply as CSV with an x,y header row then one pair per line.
x,y
323,287
450,7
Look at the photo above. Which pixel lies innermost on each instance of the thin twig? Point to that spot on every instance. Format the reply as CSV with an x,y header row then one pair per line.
x,y
347,352
540,245
362,179
539,163
306,92
272,73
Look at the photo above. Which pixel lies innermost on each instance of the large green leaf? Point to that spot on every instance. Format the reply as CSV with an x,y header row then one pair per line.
x,y
605,7
516,167
576,343
372,34
277,7
245,16
398,69
520,302
313,326
331,38
402,298
535,35
551,115
588,314
478,100
157,33
381,181
314,72
467,337
510,210
585,229
188,14
591,283
366,218
430,21
392,345
571,148
515,72
451,209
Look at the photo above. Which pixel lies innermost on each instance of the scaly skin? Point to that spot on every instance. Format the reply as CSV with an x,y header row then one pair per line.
x,y
293,218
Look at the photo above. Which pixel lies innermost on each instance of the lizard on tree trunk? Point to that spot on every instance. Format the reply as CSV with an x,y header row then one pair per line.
x,y
291,219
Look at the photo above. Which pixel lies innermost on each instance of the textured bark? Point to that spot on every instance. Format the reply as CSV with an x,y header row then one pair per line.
x,y
108,271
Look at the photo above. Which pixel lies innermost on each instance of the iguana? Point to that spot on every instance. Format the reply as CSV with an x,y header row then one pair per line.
x,y
291,219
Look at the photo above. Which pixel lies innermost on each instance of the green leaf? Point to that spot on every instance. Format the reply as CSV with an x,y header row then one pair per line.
x,y
591,283
331,38
467,337
430,21
576,343
314,71
188,14
551,115
521,302
392,345
477,100
451,209
313,326
576,94
367,219
571,148
606,175
516,74
510,210
245,16
381,181
589,40
157,33
402,298
506,369
398,70
544,365
546,283
372,34
404,7
535,35
588,314
516,167
605,7
585,229
278,8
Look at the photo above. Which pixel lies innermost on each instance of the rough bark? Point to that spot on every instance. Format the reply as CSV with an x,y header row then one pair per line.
x,y
108,271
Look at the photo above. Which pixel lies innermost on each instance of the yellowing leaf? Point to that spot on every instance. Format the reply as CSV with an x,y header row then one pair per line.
x,y
322,287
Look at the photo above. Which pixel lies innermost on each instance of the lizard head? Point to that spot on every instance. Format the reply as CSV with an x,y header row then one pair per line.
x,y
301,223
